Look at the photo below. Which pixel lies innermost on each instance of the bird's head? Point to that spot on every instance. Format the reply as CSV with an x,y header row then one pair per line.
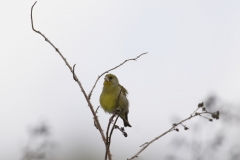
x,y
110,79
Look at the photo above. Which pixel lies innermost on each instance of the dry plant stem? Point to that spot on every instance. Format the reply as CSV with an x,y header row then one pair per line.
x,y
90,93
97,109
171,129
117,112
144,144
79,83
108,140
195,111
110,120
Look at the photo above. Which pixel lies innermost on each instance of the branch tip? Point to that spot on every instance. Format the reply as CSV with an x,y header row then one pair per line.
x,y
96,122
194,114
90,93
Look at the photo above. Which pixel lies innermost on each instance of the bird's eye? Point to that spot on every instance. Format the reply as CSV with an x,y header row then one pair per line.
x,y
110,77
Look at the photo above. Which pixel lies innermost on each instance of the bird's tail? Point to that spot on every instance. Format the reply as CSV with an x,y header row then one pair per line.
x,y
125,120
126,124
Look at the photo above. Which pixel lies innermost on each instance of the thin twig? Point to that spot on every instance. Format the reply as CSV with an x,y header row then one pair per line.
x,y
111,118
97,109
90,93
76,79
108,140
204,117
109,123
95,124
121,129
195,111
145,145
74,75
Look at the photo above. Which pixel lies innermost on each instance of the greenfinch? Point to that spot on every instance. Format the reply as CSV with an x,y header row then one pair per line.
x,y
109,98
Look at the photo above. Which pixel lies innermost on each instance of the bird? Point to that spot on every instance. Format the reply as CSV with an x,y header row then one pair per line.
x,y
111,99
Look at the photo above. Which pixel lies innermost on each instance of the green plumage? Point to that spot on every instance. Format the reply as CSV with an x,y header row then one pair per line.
x,y
109,97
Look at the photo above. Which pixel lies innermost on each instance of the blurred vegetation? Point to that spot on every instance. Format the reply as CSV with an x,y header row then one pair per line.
x,y
206,142
39,145
223,142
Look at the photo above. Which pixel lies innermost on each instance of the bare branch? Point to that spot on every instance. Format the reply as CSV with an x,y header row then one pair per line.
x,y
121,129
145,145
97,109
90,93
74,75
76,79
108,140
109,123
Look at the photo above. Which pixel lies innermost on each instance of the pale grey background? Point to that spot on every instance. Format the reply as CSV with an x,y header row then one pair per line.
x,y
193,53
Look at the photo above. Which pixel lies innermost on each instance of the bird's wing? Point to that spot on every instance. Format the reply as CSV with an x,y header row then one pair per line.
x,y
124,91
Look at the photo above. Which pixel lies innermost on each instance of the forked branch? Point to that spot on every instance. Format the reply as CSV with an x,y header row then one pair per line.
x,y
96,121
87,97
118,112
215,115
133,59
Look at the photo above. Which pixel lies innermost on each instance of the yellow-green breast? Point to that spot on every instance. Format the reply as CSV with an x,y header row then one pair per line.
x,y
109,97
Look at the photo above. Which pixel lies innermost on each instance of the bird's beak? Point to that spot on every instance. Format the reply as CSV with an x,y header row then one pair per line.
x,y
106,79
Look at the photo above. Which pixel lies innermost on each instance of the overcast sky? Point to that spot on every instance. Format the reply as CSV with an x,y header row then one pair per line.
x,y
193,52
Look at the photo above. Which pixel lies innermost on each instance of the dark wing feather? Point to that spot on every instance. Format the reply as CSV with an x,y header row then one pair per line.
x,y
124,91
